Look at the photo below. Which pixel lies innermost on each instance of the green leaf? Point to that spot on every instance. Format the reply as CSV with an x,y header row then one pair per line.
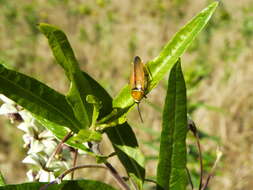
x,y
79,86
171,170
126,146
65,185
116,117
2,181
37,98
174,49
99,92
97,105
85,135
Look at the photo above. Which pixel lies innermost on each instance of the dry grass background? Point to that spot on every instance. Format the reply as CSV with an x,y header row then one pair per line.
x,y
106,34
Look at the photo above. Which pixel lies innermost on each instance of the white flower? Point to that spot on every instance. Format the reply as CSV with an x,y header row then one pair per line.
x,y
66,154
30,159
27,140
46,135
31,175
37,126
6,100
57,165
45,176
58,180
35,147
49,145
7,109
35,159
26,116
23,126
27,128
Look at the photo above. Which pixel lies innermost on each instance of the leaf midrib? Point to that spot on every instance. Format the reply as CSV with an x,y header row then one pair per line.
x,y
173,129
63,53
172,136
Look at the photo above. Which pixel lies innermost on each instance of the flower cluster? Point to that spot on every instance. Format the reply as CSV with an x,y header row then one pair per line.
x,y
39,142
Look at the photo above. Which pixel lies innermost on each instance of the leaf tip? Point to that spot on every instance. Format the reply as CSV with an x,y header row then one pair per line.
x,y
214,4
46,28
41,25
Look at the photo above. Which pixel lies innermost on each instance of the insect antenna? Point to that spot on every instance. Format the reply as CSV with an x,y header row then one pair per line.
x,y
139,111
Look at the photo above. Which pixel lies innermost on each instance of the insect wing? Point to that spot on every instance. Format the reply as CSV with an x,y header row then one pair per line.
x,y
137,79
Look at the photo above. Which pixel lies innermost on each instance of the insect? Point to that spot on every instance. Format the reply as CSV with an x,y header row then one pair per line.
x,y
138,82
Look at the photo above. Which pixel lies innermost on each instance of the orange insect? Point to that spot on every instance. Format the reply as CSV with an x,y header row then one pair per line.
x,y
138,82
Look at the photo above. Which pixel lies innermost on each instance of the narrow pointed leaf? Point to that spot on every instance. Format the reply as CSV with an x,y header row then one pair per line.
x,y
2,181
171,170
79,86
174,49
85,135
65,185
99,92
126,146
37,98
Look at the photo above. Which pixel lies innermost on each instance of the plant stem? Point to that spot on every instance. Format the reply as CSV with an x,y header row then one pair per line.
x,y
74,163
139,111
194,130
108,166
200,161
151,181
58,148
117,177
211,174
189,178
60,178
79,167
94,146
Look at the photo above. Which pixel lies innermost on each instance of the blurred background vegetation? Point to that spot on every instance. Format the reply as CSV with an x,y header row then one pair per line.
x,y
106,35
